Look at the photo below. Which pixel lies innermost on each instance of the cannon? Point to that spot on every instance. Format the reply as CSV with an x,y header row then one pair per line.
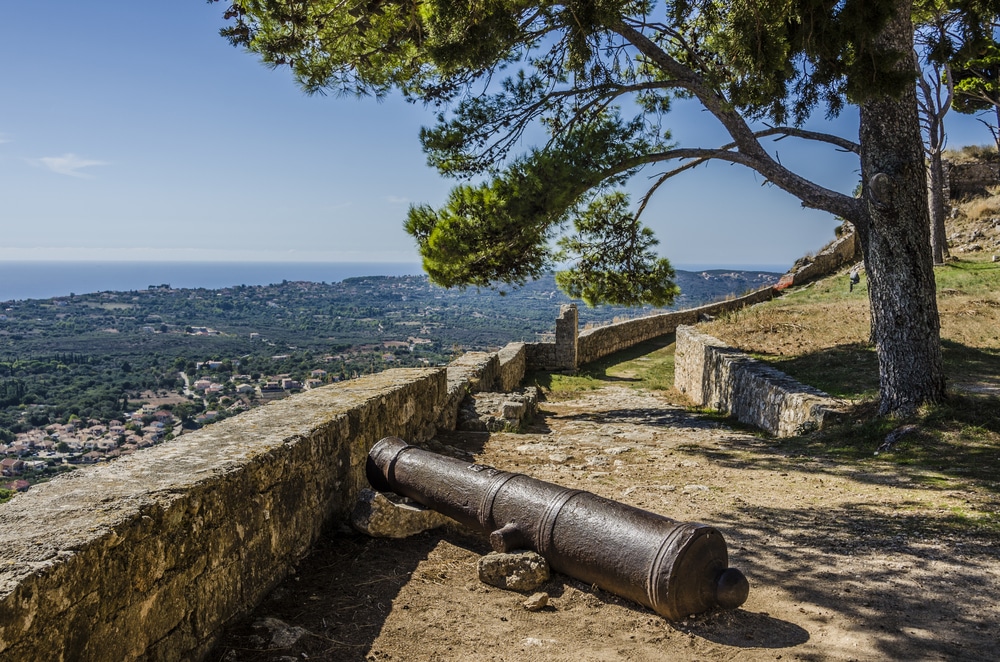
x,y
674,568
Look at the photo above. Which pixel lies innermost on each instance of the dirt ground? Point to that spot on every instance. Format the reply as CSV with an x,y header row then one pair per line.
x,y
845,561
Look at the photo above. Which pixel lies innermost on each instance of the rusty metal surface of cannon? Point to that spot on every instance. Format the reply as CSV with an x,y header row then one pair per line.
x,y
674,568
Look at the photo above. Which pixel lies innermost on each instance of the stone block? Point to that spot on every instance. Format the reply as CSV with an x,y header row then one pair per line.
x,y
376,515
515,571
146,557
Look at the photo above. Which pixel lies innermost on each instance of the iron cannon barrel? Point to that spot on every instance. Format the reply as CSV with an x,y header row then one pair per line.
x,y
674,568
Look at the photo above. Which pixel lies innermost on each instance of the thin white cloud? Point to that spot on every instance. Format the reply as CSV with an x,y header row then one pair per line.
x,y
4,138
69,164
397,200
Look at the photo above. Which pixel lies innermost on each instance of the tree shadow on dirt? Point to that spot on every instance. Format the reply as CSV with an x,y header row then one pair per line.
x,y
912,600
667,417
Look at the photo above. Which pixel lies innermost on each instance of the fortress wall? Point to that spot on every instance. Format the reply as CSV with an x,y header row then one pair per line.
x,y
598,342
714,375
540,356
148,556
513,363
471,372
841,251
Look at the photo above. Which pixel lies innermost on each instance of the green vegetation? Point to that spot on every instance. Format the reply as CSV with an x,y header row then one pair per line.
x,y
818,335
5,495
648,365
89,359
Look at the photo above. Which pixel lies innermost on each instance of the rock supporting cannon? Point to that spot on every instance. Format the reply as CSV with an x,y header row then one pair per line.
x,y
674,568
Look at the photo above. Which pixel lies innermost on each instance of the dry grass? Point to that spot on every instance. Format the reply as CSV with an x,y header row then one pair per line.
x,y
791,326
971,153
979,209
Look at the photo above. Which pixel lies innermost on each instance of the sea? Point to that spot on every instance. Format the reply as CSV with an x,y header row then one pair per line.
x,y
44,280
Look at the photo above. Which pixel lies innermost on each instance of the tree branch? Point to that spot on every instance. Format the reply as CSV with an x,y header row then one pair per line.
x,y
750,152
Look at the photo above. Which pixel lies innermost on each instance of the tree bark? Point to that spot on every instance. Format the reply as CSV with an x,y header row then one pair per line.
x,y
895,242
939,242
933,107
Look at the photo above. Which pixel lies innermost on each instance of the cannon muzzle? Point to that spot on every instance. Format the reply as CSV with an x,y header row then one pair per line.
x,y
674,568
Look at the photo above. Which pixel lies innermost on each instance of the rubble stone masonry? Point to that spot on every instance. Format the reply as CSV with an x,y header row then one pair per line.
x,y
716,376
147,557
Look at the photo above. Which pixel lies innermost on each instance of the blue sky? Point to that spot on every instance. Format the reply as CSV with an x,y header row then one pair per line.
x,y
133,131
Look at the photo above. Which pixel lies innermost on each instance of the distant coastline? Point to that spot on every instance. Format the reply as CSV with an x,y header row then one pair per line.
x,y
21,280
44,280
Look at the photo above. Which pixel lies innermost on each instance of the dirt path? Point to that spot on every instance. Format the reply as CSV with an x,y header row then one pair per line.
x,y
844,563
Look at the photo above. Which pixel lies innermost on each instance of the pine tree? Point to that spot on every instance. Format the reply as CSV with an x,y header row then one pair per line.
x,y
599,76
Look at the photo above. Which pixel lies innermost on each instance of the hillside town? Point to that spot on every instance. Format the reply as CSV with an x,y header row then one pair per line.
x,y
59,447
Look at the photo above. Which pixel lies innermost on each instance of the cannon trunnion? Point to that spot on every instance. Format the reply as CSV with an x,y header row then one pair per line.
x,y
674,568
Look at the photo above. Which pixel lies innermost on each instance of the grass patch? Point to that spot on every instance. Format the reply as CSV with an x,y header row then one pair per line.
x,y
818,334
947,445
648,365
845,371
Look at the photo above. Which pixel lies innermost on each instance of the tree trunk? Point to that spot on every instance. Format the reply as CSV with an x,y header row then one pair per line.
x,y
939,242
895,242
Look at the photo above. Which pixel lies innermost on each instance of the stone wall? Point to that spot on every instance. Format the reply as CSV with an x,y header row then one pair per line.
x,y
148,556
598,342
841,251
972,178
567,335
559,355
540,355
716,376
512,361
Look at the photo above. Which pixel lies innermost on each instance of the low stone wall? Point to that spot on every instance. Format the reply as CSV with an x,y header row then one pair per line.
x,y
540,355
841,251
469,373
598,342
560,355
148,556
512,363
716,376
972,178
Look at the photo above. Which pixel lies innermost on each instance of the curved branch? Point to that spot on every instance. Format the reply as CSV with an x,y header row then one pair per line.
x,y
790,131
750,152
818,197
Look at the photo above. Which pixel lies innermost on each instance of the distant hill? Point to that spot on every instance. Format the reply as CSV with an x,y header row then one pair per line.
x,y
697,288
91,355
700,287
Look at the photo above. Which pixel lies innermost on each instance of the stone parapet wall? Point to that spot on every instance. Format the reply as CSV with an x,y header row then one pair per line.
x,y
567,334
601,341
716,376
972,178
540,356
469,373
841,251
513,363
148,556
